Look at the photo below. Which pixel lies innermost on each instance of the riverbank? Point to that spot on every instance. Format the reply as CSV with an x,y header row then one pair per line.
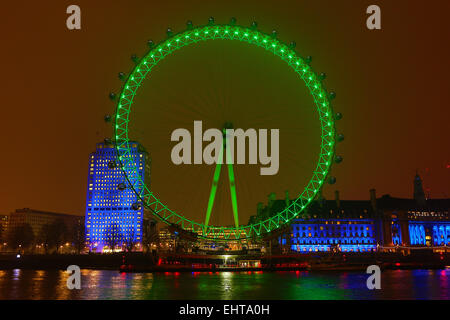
x,y
84,261
175,262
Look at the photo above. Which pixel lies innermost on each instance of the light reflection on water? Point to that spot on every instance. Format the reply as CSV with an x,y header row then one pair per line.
x,y
107,284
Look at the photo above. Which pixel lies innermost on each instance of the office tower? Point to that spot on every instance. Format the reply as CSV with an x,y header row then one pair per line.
x,y
114,216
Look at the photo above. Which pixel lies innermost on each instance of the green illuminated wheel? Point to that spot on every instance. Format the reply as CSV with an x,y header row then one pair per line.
x,y
251,36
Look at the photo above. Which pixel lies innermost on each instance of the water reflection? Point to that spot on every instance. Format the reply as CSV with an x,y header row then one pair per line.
x,y
104,284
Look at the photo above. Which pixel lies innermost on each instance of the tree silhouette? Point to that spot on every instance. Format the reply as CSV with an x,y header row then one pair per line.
x,y
150,234
44,237
113,235
78,236
58,233
130,240
21,236
53,235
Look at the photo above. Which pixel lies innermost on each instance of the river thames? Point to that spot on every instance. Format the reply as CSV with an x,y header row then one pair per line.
x,y
295,285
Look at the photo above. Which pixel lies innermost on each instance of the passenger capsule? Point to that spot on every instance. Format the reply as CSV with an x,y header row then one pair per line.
x,y
332,95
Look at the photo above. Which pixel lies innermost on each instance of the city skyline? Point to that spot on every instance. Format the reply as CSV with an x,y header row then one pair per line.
x,y
225,158
401,132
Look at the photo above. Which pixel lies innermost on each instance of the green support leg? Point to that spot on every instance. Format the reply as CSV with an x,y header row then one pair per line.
x,y
212,194
232,189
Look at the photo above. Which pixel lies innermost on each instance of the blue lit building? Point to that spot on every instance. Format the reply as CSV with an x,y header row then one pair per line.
x,y
407,224
114,220
332,225
416,222
384,223
426,233
333,234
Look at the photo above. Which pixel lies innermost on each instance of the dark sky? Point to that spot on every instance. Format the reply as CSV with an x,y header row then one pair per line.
x,y
392,87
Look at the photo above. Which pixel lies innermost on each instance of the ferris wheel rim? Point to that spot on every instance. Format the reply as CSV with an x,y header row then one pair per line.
x,y
270,43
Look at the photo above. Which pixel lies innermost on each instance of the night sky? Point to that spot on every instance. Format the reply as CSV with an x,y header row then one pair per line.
x,y
392,88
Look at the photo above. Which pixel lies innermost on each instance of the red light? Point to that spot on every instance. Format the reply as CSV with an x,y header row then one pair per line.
x,y
397,264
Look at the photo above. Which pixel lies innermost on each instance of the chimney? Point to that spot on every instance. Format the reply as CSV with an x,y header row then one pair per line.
x,y
259,208
271,198
338,201
419,195
373,200
320,198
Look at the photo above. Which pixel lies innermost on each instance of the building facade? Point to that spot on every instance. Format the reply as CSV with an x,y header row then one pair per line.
x,y
417,222
367,225
334,225
114,217
3,227
334,234
407,224
38,219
